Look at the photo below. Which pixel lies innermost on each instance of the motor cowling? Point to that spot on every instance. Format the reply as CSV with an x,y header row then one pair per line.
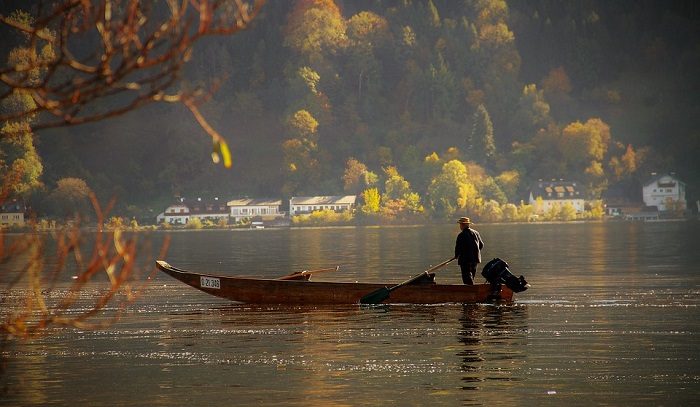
x,y
496,272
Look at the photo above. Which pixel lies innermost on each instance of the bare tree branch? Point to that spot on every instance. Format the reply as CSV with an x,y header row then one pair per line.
x,y
112,254
85,61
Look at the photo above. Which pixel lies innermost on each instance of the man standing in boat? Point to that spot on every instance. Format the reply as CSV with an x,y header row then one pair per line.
x,y
468,250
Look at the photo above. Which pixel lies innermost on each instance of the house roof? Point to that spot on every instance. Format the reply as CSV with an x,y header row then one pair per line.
x,y
254,202
324,200
561,189
200,206
13,206
663,180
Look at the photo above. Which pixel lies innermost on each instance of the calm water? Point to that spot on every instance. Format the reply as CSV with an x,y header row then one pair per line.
x,y
611,319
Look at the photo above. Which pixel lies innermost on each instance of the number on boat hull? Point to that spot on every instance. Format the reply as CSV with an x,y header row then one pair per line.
x,y
209,282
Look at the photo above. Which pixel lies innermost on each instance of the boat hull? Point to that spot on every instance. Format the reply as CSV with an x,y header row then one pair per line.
x,y
267,291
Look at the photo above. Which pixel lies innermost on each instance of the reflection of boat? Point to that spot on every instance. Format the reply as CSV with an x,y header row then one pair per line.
x,y
302,291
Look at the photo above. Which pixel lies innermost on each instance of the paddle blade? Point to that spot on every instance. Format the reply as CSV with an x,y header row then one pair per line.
x,y
375,297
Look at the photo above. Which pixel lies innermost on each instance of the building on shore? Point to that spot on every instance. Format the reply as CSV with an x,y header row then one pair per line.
x,y
246,208
544,195
307,204
12,213
664,191
181,212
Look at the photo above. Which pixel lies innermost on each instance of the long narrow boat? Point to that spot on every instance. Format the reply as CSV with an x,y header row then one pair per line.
x,y
302,291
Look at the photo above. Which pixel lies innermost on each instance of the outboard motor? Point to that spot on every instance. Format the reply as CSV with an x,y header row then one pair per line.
x,y
496,272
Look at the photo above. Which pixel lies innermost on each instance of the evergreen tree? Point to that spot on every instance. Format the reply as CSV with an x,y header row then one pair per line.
x,y
480,142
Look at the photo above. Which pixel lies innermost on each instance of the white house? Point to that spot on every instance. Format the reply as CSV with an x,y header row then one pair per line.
x,y
181,212
12,213
556,193
663,189
212,210
175,214
308,204
246,208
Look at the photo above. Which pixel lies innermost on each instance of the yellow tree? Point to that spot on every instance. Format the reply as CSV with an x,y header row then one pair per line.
x,y
624,165
315,27
372,201
567,212
510,212
452,190
583,147
354,176
491,212
398,194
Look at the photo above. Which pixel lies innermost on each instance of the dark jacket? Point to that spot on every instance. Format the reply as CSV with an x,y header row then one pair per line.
x,y
468,247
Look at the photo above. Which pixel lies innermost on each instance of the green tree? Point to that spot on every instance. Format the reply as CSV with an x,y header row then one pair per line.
x,y
70,198
489,190
399,198
508,181
302,125
533,113
302,166
480,142
491,212
301,154
442,90
20,165
428,169
306,96
395,186
497,60
368,28
433,14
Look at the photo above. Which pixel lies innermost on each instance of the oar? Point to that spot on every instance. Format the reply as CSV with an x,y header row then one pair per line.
x,y
298,274
377,296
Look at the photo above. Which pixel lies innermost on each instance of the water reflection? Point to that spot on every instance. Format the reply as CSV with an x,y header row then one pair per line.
x,y
471,336
494,340
612,319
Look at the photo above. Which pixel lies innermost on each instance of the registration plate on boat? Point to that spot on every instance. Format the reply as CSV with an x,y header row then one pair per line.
x,y
209,282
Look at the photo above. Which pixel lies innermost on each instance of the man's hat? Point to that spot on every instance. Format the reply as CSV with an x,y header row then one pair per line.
x,y
464,220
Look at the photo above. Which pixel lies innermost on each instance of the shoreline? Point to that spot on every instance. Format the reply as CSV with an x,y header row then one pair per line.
x,y
180,229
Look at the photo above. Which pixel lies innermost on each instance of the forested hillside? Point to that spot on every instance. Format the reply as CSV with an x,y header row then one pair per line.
x,y
435,105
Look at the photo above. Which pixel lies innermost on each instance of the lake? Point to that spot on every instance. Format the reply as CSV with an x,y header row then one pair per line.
x,y
611,319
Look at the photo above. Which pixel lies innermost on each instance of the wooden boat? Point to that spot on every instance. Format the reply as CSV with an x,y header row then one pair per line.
x,y
301,291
